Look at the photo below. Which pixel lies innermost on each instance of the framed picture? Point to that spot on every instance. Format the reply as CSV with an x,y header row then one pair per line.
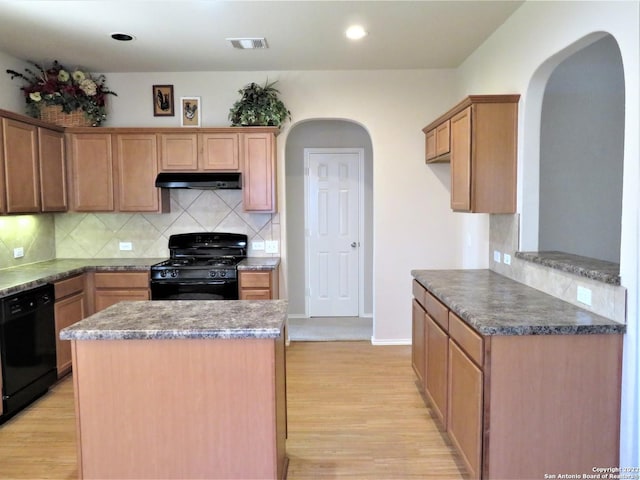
x,y
190,111
163,105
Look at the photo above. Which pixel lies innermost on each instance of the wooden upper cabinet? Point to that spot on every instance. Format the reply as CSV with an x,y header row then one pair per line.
x,y
21,171
91,172
438,143
461,166
191,152
136,168
258,171
220,151
178,152
53,190
483,141
115,172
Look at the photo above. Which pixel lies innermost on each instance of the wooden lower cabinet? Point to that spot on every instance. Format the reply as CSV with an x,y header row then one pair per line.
x,y
70,307
418,352
437,348
520,406
258,285
113,287
464,421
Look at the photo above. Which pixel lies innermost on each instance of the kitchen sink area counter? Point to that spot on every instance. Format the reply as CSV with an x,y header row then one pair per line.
x,y
181,389
496,305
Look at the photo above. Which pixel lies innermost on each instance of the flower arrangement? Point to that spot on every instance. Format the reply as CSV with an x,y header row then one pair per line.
x,y
72,90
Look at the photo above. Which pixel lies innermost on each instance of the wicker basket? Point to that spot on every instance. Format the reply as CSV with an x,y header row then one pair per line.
x,y
54,114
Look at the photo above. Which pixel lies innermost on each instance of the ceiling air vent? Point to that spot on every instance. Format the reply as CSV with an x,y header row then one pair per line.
x,y
245,43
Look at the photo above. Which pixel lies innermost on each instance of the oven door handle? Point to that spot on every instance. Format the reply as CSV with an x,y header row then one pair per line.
x,y
186,284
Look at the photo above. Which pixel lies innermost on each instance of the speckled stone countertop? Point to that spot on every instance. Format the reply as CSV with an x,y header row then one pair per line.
x,y
15,279
259,263
600,270
496,305
173,319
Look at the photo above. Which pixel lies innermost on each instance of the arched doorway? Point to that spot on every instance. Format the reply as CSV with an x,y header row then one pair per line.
x,y
325,134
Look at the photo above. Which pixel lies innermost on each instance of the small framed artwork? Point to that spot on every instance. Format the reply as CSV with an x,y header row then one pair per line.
x,y
190,111
163,105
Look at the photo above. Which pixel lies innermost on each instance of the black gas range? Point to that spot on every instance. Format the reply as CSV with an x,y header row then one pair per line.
x,y
201,266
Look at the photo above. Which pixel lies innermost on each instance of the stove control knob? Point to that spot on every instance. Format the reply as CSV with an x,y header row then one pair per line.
x,y
174,273
163,273
223,273
212,273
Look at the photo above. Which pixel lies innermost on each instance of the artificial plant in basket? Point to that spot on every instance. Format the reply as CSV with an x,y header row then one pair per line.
x,y
259,106
72,90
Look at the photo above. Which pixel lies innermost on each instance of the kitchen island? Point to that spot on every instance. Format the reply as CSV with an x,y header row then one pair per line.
x,y
181,389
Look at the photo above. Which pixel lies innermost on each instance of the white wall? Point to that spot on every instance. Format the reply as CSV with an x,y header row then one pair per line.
x,y
10,95
508,61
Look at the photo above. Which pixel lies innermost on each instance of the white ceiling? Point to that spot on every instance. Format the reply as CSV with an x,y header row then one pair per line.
x,y
187,35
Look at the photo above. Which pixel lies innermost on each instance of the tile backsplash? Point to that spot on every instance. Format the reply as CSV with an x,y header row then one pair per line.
x,y
34,233
98,235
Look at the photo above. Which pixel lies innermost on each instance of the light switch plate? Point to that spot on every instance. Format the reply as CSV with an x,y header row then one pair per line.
x,y
506,258
496,256
18,252
257,246
126,246
271,246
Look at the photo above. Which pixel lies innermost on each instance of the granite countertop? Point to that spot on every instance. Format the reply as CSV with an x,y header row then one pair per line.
x,y
179,319
496,305
15,279
600,270
259,263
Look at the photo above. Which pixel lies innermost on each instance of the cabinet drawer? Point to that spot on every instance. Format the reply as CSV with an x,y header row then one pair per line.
x,y
437,310
464,336
68,286
419,292
255,279
122,280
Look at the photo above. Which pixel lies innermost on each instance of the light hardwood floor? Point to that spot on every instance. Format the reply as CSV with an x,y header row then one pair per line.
x,y
353,409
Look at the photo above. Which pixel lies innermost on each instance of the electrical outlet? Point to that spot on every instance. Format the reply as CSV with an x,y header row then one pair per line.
x,y
257,246
126,246
271,246
496,256
584,295
18,252
506,258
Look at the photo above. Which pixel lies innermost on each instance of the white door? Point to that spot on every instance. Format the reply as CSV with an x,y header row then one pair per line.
x,y
332,228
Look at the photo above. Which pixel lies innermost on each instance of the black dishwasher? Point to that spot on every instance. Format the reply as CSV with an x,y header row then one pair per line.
x,y
27,347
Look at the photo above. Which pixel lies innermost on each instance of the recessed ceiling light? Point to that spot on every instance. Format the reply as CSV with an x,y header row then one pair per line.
x,y
122,37
248,43
356,32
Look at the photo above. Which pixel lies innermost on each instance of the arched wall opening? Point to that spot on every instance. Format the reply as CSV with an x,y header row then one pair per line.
x,y
573,155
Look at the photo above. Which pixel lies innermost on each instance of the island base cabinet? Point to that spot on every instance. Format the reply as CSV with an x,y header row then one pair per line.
x,y
180,408
554,403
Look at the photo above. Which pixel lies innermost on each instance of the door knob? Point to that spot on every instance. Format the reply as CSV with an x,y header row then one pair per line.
x,y
354,244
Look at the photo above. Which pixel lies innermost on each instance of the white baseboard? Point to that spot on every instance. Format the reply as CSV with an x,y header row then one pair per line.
x,y
395,341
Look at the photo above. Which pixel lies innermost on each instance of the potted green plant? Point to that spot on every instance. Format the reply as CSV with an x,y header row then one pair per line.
x,y
259,106
54,92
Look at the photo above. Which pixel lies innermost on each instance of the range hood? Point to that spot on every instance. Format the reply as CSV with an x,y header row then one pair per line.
x,y
200,181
